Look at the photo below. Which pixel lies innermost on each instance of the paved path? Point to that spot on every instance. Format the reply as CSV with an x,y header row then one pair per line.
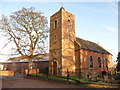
x,y
35,83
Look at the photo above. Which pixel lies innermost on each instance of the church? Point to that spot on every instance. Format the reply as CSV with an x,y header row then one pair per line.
x,y
72,54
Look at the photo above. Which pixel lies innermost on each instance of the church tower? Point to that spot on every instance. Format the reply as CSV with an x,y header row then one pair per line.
x,y
62,37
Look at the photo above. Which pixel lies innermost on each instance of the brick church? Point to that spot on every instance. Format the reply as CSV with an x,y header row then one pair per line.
x,y
69,53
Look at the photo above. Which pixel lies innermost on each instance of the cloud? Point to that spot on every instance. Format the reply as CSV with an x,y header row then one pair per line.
x,y
109,28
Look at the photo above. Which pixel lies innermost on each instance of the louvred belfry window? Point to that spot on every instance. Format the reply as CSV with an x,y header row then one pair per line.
x,y
55,24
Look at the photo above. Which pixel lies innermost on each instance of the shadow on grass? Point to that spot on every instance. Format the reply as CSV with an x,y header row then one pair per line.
x,y
76,80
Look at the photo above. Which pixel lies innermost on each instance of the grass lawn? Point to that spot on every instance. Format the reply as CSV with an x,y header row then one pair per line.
x,y
82,82
49,77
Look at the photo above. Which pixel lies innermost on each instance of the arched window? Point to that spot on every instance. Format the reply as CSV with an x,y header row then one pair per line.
x,y
69,37
68,26
99,62
68,30
68,23
55,24
106,63
54,39
91,61
68,15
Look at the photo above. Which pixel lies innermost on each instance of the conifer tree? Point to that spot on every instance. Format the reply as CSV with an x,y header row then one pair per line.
x,y
118,62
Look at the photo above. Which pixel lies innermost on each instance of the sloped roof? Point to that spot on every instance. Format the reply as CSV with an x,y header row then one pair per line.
x,y
88,45
34,57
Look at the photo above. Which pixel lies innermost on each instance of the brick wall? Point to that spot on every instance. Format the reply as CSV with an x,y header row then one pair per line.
x,y
85,63
7,73
20,67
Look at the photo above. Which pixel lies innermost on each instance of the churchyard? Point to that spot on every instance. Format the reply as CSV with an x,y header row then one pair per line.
x,y
97,81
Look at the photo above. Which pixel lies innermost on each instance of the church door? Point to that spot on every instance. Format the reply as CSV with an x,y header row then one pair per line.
x,y
55,68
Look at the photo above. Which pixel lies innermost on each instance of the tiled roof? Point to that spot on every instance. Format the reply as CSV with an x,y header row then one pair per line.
x,y
88,45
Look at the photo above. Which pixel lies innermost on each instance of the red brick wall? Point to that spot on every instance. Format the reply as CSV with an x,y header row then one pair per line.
x,y
55,46
69,53
65,57
21,66
84,60
7,73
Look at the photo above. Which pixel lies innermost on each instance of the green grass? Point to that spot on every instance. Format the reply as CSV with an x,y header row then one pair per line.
x,y
76,77
64,79
49,77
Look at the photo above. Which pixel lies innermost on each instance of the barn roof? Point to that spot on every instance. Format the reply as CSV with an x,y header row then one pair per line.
x,y
88,45
34,57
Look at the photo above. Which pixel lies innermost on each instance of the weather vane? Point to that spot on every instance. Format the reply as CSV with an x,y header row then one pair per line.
x,y
61,3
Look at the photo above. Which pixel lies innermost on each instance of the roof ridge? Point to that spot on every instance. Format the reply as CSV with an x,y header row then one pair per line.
x,y
86,40
86,44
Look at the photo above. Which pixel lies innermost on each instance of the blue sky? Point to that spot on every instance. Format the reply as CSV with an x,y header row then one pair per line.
x,y
95,21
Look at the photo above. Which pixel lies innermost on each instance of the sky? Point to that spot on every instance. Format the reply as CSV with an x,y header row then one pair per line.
x,y
95,21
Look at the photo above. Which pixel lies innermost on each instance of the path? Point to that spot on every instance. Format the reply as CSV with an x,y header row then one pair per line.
x,y
34,83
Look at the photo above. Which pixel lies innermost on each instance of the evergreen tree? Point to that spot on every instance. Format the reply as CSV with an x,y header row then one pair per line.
x,y
118,62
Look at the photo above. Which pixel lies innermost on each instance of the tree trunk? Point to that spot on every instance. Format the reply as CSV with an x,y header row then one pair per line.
x,y
30,65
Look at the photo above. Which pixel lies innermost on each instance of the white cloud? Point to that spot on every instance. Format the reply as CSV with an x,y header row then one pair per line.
x,y
110,28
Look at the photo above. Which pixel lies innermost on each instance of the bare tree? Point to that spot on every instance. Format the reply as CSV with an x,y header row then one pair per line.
x,y
28,30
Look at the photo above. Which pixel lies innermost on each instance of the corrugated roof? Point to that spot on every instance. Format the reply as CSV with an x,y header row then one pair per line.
x,y
88,45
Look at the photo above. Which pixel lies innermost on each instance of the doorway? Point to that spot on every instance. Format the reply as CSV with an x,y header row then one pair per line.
x,y
55,68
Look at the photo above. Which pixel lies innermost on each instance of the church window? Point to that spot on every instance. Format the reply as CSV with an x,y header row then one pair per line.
x,y
68,30
68,23
106,63
54,39
68,26
69,37
68,15
91,62
55,24
54,53
99,62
